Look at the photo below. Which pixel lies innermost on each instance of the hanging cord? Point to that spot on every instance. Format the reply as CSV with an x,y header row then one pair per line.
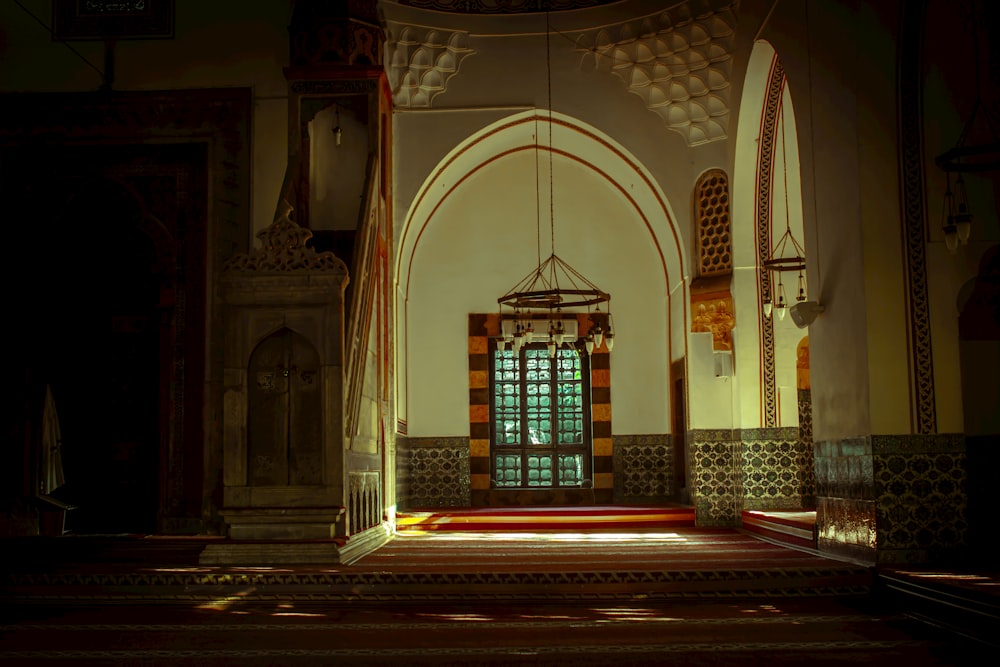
x,y
538,203
548,72
977,104
64,43
784,168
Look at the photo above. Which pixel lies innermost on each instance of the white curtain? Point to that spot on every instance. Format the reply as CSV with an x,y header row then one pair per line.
x,y
51,459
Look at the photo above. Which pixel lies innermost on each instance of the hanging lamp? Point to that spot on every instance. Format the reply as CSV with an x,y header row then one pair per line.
x,y
553,284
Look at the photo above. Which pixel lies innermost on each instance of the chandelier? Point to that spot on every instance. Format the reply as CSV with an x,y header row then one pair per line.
x,y
787,255
956,218
553,284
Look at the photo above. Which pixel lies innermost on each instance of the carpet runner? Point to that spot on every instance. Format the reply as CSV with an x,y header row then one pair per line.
x,y
636,596
527,519
685,562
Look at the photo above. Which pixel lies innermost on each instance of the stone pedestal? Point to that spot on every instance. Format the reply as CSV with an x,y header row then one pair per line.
x,y
281,523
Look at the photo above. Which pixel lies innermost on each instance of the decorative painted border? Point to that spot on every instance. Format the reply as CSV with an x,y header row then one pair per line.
x,y
481,328
765,177
911,175
917,444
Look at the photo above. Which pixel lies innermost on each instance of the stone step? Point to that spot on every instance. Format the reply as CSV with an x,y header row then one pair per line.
x,y
796,528
544,519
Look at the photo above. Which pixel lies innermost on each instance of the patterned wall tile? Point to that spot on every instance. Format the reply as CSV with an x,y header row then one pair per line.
x,y
846,527
844,469
644,470
902,498
773,465
805,443
714,477
920,490
438,472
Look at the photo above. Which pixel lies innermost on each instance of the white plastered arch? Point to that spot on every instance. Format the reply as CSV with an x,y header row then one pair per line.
x,y
621,235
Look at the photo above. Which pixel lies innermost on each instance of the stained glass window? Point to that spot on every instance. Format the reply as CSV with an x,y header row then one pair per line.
x,y
540,408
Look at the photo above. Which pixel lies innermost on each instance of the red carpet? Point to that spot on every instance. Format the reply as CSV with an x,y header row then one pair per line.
x,y
590,518
684,596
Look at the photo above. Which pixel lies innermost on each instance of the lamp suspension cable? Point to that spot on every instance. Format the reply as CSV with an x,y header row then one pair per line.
x,y
956,217
784,258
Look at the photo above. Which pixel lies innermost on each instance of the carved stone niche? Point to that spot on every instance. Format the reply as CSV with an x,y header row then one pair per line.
x,y
283,454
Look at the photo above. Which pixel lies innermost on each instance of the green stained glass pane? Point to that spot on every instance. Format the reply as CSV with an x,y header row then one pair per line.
x,y
538,406
570,469
508,470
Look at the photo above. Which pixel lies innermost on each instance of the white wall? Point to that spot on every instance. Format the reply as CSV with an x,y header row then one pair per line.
x,y
482,237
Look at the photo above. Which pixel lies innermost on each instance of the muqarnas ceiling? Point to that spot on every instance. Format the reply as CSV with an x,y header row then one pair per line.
x,y
678,61
422,61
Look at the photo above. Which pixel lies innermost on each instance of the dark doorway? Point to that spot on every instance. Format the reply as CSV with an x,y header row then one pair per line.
x,y
94,338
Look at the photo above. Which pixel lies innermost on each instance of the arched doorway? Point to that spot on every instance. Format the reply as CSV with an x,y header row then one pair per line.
x,y
96,337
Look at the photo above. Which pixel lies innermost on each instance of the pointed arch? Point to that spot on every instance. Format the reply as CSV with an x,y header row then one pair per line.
x,y
768,146
472,231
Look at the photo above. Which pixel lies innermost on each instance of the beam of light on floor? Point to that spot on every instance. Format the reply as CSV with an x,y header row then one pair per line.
x,y
222,603
468,536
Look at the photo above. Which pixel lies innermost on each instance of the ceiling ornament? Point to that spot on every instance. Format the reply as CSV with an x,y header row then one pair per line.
x,y
678,61
422,61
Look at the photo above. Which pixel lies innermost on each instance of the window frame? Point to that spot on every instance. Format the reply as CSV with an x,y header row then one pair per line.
x,y
523,448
